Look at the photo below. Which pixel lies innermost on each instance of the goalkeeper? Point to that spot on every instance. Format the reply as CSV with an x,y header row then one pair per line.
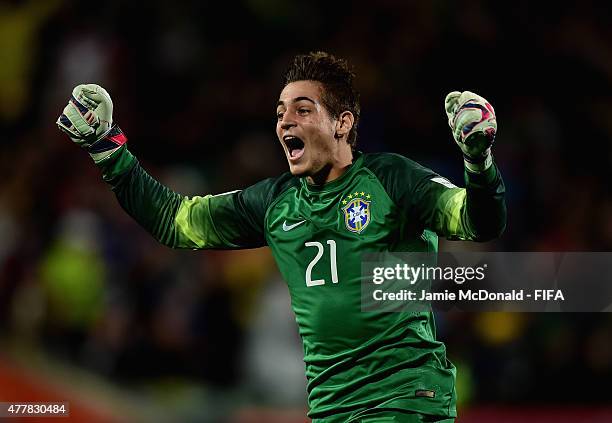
x,y
334,204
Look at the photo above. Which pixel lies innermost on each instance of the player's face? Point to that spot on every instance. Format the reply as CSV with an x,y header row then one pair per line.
x,y
305,129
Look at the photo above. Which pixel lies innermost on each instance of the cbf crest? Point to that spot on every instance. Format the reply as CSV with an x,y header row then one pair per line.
x,y
357,211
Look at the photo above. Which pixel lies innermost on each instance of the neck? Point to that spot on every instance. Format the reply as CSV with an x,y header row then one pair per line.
x,y
340,164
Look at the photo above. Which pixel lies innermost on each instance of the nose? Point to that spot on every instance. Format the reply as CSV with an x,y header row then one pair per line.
x,y
287,122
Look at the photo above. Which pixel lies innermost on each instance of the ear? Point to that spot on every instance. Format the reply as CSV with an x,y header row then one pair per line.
x,y
344,123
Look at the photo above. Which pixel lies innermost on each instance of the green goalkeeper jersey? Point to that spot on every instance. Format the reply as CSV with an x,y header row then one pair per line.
x,y
355,361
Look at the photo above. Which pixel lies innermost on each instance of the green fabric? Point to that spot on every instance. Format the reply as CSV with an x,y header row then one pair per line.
x,y
117,165
224,221
396,416
355,361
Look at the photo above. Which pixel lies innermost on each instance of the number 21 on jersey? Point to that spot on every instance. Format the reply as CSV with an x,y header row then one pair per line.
x,y
332,260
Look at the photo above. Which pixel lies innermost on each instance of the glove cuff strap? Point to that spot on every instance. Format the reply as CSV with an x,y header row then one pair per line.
x,y
478,165
107,145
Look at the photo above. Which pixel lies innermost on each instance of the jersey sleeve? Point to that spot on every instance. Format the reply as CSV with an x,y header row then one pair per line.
x,y
226,221
429,201
475,213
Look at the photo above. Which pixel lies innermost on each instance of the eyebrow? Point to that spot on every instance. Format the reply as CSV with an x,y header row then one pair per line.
x,y
295,100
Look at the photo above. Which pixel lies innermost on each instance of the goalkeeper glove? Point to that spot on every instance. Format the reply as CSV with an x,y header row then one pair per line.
x,y
473,124
88,121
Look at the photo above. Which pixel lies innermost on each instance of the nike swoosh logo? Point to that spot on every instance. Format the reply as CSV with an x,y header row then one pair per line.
x,y
289,227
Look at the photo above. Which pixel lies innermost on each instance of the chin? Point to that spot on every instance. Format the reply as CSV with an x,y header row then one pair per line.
x,y
299,169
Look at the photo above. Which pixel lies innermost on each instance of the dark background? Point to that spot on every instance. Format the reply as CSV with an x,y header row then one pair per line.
x,y
191,335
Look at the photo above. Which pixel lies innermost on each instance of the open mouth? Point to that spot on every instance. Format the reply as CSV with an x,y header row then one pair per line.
x,y
295,146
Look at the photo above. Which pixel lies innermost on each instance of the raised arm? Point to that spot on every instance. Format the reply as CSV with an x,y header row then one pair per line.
x,y
475,213
231,220
429,201
478,211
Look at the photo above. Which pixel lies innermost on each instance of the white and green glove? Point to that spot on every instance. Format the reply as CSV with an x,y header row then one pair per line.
x,y
473,124
88,121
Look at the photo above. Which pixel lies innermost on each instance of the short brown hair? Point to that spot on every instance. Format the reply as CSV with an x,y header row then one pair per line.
x,y
336,76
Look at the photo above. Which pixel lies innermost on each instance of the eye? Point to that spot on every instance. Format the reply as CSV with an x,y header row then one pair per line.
x,y
279,115
303,111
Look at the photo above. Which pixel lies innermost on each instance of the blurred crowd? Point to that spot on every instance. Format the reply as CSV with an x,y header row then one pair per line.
x,y
194,88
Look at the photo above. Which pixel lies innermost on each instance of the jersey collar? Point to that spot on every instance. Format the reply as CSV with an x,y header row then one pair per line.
x,y
338,182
